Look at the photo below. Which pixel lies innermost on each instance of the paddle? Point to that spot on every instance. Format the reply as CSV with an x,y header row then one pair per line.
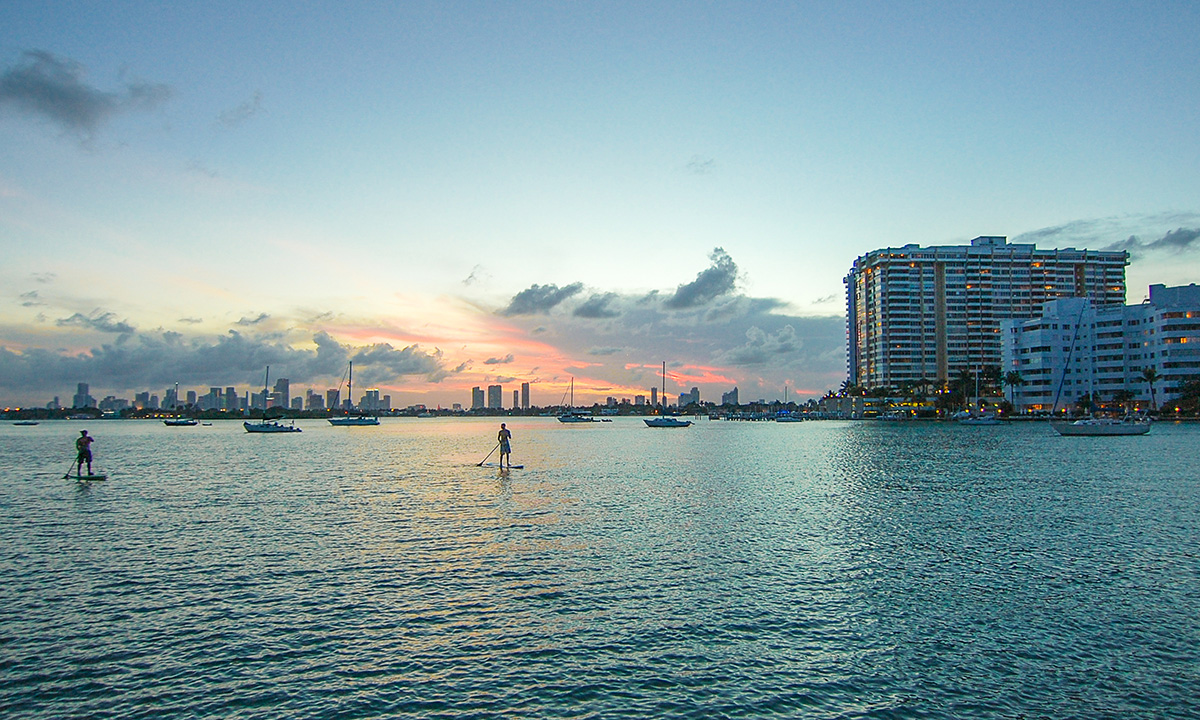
x,y
68,475
481,462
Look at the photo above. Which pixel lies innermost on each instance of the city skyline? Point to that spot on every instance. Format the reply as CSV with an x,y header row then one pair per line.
x,y
456,194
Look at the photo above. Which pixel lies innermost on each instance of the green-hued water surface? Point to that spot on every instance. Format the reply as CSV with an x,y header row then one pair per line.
x,y
815,570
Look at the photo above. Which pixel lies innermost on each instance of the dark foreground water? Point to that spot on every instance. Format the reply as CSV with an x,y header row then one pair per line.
x,y
812,570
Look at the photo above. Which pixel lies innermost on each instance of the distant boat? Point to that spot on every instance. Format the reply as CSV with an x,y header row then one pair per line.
x,y
26,423
665,421
265,425
572,415
349,420
270,426
181,422
1102,427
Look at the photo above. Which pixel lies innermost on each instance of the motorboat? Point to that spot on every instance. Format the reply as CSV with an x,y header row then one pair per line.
x,y
270,426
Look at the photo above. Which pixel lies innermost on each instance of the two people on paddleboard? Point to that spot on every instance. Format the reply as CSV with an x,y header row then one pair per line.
x,y
503,438
83,450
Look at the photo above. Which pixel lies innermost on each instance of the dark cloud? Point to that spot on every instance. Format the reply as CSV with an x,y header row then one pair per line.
x,y
102,321
540,299
253,321
1179,240
45,278
31,299
236,116
605,351
499,361
147,361
53,88
598,306
718,280
762,348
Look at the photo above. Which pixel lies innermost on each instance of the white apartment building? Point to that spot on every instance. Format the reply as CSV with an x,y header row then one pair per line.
x,y
1075,348
926,313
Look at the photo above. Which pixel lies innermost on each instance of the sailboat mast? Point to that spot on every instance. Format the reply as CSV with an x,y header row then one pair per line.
x,y
350,387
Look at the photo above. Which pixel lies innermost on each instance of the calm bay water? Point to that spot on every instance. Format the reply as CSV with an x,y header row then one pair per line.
x,y
818,570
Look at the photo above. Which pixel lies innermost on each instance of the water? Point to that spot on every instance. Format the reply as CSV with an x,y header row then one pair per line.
x,y
817,570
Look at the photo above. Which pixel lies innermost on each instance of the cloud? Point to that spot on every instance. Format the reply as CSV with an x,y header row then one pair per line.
x,y
605,351
762,347
540,299
47,86
1179,240
709,284
478,274
191,320
102,321
246,321
237,116
45,278
700,165
158,360
598,306
31,299
499,361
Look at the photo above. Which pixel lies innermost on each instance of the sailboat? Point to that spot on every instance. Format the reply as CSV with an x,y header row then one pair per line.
x,y
571,415
265,425
786,416
1092,426
665,421
973,416
348,419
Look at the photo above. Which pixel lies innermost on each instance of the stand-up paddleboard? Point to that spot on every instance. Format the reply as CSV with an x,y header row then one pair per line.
x,y
85,478
506,467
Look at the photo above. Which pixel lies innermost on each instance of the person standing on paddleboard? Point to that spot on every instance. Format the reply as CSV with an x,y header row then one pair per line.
x,y
83,448
504,436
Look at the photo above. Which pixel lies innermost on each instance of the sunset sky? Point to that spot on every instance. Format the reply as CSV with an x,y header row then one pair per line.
x,y
458,194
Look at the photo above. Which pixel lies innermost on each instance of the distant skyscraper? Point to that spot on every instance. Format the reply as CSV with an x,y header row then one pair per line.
x,y
495,397
231,399
524,396
332,398
477,402
653,397
516,399
283,392
191,398
82,398
927,313
730,398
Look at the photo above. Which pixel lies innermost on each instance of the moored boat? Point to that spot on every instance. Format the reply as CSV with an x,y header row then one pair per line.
x,y
180,422
270,426
1102,427
666,422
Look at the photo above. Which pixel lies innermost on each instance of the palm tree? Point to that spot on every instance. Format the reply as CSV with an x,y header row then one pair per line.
x,y
1013,379
1124,397
1151,376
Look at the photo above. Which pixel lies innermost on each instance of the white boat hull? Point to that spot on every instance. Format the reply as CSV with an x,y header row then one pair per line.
x,y
1100,428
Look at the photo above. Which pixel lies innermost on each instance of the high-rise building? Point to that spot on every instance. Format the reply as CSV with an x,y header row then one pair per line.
x,y
477,402
927,313
282,394
653,397
332,398
730,398
495,397
525,396
231,399
516,399
1076,349
82,397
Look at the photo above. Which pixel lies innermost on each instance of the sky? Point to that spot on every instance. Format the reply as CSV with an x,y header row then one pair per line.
x,y
460,194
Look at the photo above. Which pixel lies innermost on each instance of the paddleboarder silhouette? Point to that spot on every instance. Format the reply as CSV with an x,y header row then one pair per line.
x,y
83,446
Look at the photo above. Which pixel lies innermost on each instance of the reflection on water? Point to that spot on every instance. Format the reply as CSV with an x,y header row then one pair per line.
x,y
751,569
